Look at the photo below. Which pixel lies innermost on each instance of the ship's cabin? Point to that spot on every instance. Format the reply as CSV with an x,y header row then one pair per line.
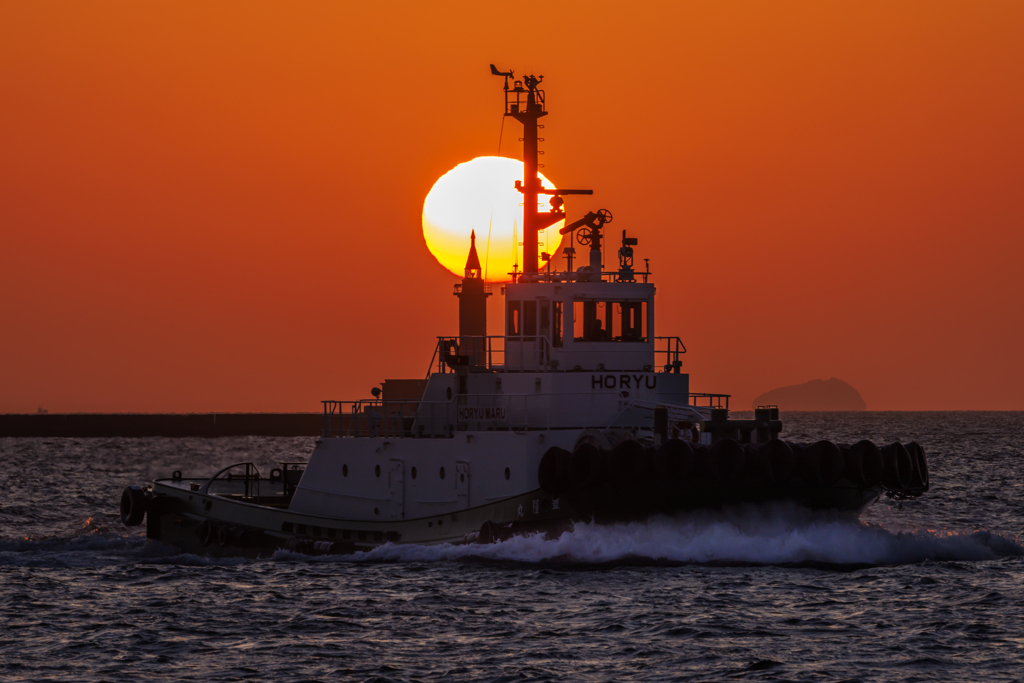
x,y
551,326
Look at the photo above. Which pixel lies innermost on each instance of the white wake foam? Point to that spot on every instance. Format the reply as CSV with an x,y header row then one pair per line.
x,y
774,535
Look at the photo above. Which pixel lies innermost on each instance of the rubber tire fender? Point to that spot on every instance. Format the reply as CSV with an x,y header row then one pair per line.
x,y
674,459
777,461
586,466
207,532
864,464
133,505
552,473
727,461
628,461
828,461
899,467
920,478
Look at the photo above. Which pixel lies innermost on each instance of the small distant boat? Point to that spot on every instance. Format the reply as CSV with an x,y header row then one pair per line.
x,y
577,412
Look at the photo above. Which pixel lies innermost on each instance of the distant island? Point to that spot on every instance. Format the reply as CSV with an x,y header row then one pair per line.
x,y
818,394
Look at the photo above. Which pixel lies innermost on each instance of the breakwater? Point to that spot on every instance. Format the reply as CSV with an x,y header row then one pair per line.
x,y
153,424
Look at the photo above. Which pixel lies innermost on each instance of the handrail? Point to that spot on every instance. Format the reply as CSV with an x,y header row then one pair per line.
x,y
652,405
674,347
572,276
251,474
483,350
713,400
380,418
448,350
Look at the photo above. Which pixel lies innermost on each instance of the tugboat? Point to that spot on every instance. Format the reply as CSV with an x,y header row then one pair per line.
x,y
578,412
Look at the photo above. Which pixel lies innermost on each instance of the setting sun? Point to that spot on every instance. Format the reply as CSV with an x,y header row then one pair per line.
x,y
480,195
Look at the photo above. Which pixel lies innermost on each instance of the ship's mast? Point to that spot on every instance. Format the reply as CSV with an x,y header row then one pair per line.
x,y
525,103
534,110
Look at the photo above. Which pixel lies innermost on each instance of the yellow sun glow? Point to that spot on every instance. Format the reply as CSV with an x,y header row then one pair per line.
x,y
481,195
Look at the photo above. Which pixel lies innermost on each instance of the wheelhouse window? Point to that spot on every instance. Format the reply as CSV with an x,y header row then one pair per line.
x,y
610,321
556,339
513,327
529,318
532,319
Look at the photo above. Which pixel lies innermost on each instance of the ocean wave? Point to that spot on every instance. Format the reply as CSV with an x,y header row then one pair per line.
x,y
85,549
95,542
173,556
775,536
764,535
99,549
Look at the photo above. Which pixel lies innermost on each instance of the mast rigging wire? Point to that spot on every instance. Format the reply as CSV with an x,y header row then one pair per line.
x,y
487,253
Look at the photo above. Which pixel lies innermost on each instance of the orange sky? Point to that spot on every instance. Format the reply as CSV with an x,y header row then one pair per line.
x,y
216,207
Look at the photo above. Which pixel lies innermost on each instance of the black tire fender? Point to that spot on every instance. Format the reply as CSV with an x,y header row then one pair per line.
x,y
674,459
133,505
207,532
777,460
552,473
727,461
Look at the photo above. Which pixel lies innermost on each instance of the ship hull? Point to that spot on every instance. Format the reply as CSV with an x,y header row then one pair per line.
x,y
210,524
616,503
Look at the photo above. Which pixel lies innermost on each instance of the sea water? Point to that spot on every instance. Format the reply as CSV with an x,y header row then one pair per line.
x,y
932,590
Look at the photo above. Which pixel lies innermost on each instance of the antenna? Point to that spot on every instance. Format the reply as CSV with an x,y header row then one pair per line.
x,y
626,258
525,103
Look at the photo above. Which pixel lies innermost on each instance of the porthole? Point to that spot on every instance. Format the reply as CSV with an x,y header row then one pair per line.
x,y
508,473
440,522
413,472
442,473
376,470
376,511
344,470
448,393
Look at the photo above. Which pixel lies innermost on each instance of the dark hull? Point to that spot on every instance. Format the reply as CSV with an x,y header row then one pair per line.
x,y
606,504
611,502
